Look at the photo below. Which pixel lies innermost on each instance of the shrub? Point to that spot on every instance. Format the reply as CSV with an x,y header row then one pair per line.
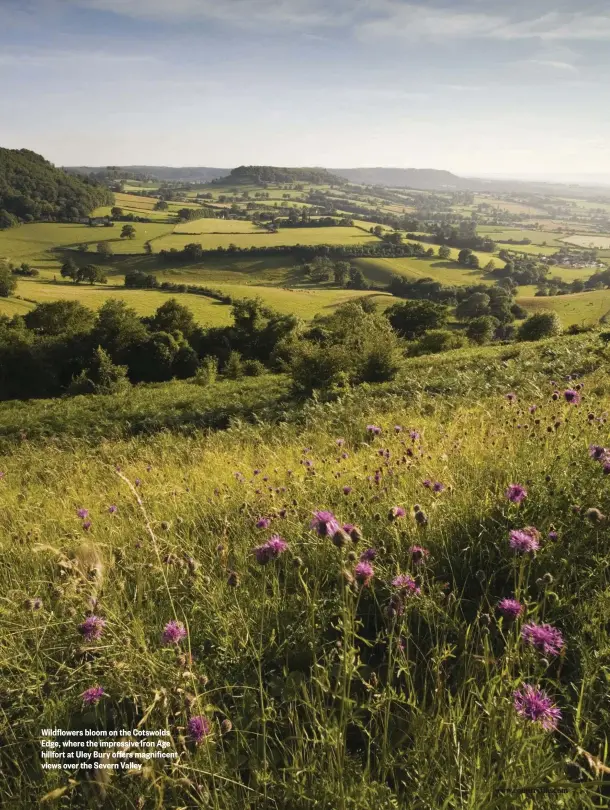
x,y
207,371
481,330
540,325
253,368
436,341
234,367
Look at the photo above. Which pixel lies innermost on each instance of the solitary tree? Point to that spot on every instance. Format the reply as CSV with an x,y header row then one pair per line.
x,y
69,269
104,249
161,205
128,232
444,252
116,212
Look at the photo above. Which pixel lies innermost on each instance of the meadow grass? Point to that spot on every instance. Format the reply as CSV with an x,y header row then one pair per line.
x,y
588,240
324,684
380,271
285,236
585,308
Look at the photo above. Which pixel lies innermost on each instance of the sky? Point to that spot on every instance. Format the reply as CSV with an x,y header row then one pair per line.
x,y
477,87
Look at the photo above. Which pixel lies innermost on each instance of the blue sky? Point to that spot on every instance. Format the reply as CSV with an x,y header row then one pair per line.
x,y
473,86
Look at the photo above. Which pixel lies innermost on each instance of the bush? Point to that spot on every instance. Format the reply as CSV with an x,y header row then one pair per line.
x,y
7,281
436,341
253,368
540,325
207,371
234,367
481,330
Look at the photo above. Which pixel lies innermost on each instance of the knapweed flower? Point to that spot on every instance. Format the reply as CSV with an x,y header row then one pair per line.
x,y
414,435
33,604
510,608
597,452
427,483
438,487
347,490
516,493
533,408
263,523
368,555
397,512
544,637
198,728
92,695
82,513
270,550
86,525
137,482
419,554
553,535
92,628
397,429
325,523
534,704
340,442
173,632
112,509
406,584
571,396
364,572
374,430
524,540
511,397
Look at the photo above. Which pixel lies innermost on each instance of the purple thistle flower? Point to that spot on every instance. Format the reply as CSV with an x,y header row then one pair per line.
x,y
256,472
406,583
340,442
597,452
414,435
375,430
523,540
86,525
368,555
397,429
92,628
606,468
173,632
510,608
198,728
2,474
325,523
82,513
553,535
571,396
516,493
347,490
535,705
533,408
438,487
263,523
344,455
544,637
92,695
270,550
427,483
397,512
112,509
419,554
137,482
364,572
511,397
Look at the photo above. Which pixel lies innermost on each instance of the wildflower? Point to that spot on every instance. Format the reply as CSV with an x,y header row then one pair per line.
x,y
421,518
198,728
33,604
533,408
112,509
344,455
340,538
82,513
535,705
256,472
571,396
438,487
606,468
270,550
340,442
86,525
233,579
263,523
368,555
92,628
553,535
173,632
374,430
511,397
137,482
597,452
523,540
510,608
396,512
413,435
516,493
226,726
347,490
92,695
427,483
364,572
594,515
325,523
397,429
418,554
544,637
406,584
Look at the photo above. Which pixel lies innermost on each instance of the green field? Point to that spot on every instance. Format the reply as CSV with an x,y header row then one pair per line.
x,y
285,236
380,271
218,226
585,308
588,240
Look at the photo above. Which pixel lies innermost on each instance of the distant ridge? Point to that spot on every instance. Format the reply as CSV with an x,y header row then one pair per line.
x,y
425,179
202,174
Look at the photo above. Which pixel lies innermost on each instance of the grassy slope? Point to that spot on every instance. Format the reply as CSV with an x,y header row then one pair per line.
x,y
336,701
578,308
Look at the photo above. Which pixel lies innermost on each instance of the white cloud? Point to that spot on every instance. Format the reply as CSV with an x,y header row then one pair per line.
x,y
552,63
61,58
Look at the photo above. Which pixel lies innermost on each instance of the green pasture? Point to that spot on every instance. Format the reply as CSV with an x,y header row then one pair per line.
x,y
578,308
380,271
285,236
588,240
